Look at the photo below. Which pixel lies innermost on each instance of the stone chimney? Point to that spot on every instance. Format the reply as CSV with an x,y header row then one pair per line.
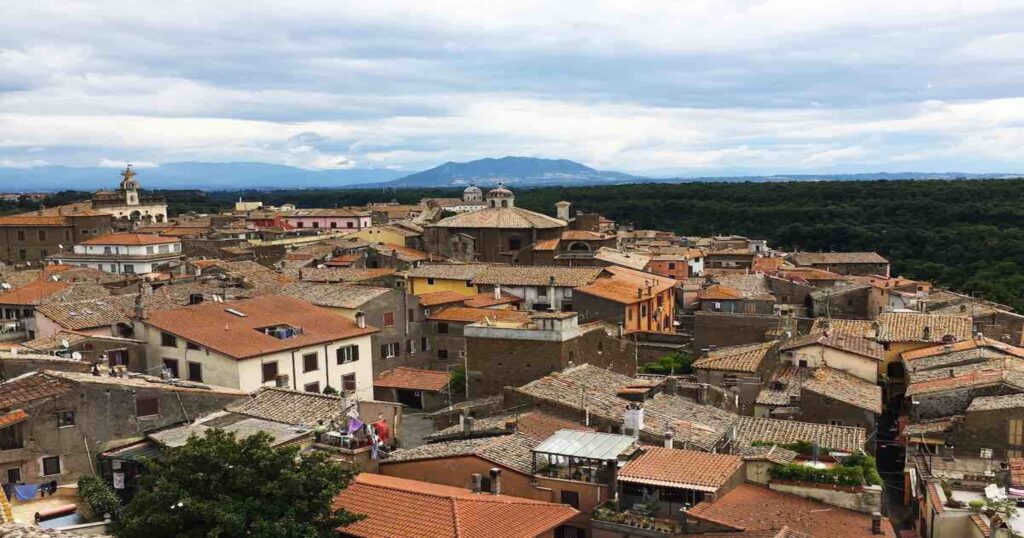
x,y
467,425
477,482
495,480
633,419
562,210
140,308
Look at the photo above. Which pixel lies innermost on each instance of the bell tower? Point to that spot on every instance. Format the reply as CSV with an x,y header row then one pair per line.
x,y
129,187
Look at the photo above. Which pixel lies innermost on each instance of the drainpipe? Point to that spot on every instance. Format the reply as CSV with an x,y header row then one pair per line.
x,y
327,367
295,373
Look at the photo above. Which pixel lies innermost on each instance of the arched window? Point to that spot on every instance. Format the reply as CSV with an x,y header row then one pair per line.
x,y
504,203
579,247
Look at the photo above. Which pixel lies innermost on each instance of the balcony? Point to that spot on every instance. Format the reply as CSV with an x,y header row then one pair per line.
x,y
636,521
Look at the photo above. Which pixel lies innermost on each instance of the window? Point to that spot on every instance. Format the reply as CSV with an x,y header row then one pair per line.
x,y
1016,437
803,363
334,224
312,387
389,351
515,244
442,354
411,314
195,372
469,283
172,366
348,382
129,268
835,423
168,340
567,293
149,249
347,354
542,291
51,465
571,498
316,224
44,253
349,224
192,346
310,362
65,418
410,348
147,407
269,371
389,319
22,254
42,235
485,484
424,344
671,265
430,281
21,235
442,328
299,224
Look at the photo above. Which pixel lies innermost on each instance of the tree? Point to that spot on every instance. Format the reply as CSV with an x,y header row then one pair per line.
x,y
678,363
221,486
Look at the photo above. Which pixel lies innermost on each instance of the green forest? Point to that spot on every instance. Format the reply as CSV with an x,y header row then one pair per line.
x,y
967,235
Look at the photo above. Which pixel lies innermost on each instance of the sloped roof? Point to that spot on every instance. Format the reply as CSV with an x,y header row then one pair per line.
x,y
413,379
792,379
846,438
633,260
30,387
212,325
290,406
966,345
342,274
32,293
412,509
447,271
855,327
994,403
920,327
500,218
831,258
845,388
487,299
742,358
837,340
588,445
620,284
536,424
441,297
751,507
91,313
718,292
461,314
334,295
685,469
129,239
537,275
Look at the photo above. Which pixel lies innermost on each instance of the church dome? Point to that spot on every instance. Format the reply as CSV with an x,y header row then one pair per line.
x,y
473,194
500,192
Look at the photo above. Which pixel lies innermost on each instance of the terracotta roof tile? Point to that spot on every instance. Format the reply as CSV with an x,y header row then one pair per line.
x,y
965,345
791,379
500,218
447,271
750,507
213,326
290,406
838,340
920,327
632,259
1017,472
33,293
743,358
441,298
846,388
584,235
995,403
546,244
537,425
30,387
623,284
974,378
833,258
719,292
461,314
854,327
411,509
536,275
485,300
33,220
129,239
845,438
342,274
413,379
90,313
981,525
685,469
13,417
348,296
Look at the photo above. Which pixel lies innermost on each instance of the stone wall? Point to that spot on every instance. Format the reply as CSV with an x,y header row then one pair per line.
x,y
867,499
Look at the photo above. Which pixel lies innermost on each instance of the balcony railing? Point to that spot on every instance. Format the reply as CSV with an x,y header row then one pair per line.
x,y
609,513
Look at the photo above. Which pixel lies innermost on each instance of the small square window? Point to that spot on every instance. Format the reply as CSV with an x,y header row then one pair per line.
x,y
442,328
168,340
269,371
51,465
310,362
193,346
348,382
65,419
147,407
312,387
442,354
389,319
430,281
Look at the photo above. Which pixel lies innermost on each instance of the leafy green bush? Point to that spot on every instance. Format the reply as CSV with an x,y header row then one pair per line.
x,y
804,448
672,364
845,476
868,464
99,497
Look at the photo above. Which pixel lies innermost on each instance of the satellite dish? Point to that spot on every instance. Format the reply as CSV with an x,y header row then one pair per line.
x,y
76,355
60,246
64,343
28,263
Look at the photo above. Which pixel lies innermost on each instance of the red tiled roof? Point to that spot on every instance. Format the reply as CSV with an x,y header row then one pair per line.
x,y
29,388
396,507
212,325
441,297
13,417
473,315
766,265
130,240
969,379
841,341
623,284
719,292
685,469
484,300
546,244
933,496
32,220
412,379
1017,472
32,293
981,525
749,508
962,346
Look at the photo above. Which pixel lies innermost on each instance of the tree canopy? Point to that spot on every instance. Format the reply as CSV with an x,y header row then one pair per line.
x,y
220,486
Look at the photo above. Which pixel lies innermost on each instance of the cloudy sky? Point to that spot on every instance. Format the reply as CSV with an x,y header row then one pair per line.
x,y
692,87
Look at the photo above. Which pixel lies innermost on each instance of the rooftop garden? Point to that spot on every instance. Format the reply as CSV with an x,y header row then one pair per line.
x,y
640,516
854,470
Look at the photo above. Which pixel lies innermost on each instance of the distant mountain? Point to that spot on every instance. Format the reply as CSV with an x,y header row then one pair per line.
x,y
514,171
872,176
190,175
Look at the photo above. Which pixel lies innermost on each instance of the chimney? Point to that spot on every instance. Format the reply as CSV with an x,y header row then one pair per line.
x,y
633,419
668,440
495,480
140,308
622,329
511,426
361,319
477,482
876,523
467,425
497,292
927,333
562,210
281,381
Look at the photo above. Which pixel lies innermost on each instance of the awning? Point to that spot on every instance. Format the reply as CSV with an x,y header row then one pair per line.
x,y
12,418
134,452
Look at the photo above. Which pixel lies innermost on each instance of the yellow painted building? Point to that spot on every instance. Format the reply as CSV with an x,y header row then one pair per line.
x,y
432,278
389,235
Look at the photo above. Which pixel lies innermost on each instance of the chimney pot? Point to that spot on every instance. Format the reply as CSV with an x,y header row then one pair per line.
x,y
495,480
497,292
668,439
361,320
477,482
